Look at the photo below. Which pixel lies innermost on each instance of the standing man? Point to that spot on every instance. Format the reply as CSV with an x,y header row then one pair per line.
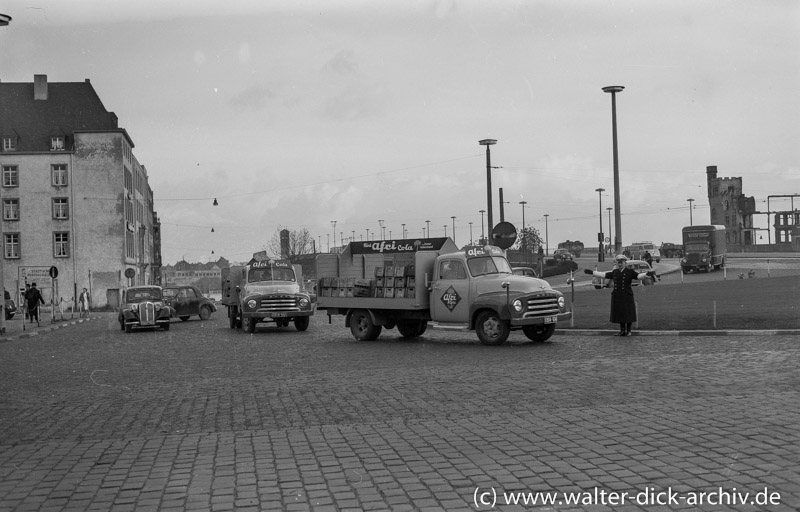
x,y
623,305
34,297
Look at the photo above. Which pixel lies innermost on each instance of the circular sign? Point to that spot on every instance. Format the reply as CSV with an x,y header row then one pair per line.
x,y
129,272
608,239
53,272
504,235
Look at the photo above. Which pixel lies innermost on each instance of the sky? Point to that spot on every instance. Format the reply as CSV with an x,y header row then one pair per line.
x,y
296,114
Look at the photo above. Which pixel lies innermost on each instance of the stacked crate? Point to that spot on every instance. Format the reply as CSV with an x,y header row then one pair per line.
x,y
395,282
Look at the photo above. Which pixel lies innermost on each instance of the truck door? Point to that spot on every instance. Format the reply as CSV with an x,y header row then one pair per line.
x,y
450,298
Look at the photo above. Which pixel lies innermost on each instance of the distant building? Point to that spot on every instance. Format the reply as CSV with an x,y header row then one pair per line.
x,y
731,208
74,196
206,276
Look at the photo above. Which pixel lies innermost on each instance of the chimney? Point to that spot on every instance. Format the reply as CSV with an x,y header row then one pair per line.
x,y
40,87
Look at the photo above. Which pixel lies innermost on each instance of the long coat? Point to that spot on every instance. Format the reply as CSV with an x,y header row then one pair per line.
x,y
623,306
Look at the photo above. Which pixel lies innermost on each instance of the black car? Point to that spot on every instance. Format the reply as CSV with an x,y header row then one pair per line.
x,y
187,301
143,306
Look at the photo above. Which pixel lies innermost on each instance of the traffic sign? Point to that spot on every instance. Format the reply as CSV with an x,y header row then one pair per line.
x,y
129,272
53,272
504,235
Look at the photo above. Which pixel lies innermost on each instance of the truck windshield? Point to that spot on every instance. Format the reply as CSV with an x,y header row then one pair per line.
x,y
270,274
488,265
697,247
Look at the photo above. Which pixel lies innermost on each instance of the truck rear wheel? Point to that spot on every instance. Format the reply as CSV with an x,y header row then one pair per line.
x,y
301,322
362,327
539,333
491,329
411,328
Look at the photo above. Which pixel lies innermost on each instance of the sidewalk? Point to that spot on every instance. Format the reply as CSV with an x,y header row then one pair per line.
x,y
16,329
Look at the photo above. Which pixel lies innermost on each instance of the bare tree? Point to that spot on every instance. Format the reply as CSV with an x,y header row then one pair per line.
x,y
528,240
290,246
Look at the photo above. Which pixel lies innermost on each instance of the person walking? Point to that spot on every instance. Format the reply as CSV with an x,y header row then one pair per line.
x,y
33,297
623,305
83,302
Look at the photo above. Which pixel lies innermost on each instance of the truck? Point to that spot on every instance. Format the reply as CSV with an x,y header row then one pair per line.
x,y
637,250
704,248
266,290
574,247
413,284
671,250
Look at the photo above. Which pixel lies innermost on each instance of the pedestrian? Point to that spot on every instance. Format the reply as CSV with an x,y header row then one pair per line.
x,y
25,300
648,258
623,306
34,297
83,302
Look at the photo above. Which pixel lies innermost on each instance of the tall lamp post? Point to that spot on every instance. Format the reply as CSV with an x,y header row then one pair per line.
x,y
428,228
524,245
613,90
404,230
487,143
5,19
609,223
454,228
690,211
600,253
471,242
483,236
383,229
333,223
546,236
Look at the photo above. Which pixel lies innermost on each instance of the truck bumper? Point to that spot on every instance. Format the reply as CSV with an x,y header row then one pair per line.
x,y
276,314
541,320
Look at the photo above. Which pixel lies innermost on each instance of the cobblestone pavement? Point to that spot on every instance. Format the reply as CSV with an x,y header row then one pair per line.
x,y
206,418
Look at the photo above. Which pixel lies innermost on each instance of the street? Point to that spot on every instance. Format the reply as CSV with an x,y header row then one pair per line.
x,y
207,418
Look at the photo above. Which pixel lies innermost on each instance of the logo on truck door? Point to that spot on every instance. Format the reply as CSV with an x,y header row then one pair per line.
x,y
451,298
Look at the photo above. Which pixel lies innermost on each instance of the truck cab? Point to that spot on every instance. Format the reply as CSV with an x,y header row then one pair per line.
x,y
267,291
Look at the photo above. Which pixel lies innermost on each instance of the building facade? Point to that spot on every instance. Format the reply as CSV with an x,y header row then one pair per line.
x,y
74,196
729,207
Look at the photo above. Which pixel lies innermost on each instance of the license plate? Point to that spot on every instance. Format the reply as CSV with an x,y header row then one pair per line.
x,y
279,315
550,319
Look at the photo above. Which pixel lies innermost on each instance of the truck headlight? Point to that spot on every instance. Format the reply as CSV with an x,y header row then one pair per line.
x,y
561,302
517,305
252,304
303,302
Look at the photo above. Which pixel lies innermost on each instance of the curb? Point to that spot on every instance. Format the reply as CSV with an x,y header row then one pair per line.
x,y
688,332
36,330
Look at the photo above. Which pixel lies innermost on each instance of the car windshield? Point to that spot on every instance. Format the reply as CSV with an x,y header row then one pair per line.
x,y
144,294
170,293
270,274
697,247
488,265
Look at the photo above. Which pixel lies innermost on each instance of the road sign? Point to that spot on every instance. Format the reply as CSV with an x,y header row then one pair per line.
x,y
504,235
129,272
53,272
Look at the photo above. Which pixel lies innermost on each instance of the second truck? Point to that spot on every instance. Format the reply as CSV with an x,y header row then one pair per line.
x,y
416,283
704,248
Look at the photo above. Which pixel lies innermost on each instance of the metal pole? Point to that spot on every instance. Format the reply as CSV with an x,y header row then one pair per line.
x,y
454,228
600,253
487,143
546,236
614,89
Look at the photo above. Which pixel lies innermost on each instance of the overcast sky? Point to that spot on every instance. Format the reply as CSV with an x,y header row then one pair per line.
x,y
295,114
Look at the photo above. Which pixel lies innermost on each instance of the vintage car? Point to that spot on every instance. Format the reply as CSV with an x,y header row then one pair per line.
x,y
637,265
144,307
187,301
11,307
562,255
524,271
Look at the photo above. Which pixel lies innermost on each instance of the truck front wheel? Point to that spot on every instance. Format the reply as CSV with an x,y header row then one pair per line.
x,y
491,329
539,333
249,324
301,322
362,327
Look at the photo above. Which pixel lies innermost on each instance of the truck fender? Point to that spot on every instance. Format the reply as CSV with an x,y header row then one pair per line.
x,y
376,318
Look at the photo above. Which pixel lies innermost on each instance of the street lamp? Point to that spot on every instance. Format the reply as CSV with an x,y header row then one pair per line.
x,y
546,237
600,253
482,234
367,234
428,224
383,229
404,230
487,143
613,90
470,234
524,244
454,228
5,19
609,222
690,211
333,223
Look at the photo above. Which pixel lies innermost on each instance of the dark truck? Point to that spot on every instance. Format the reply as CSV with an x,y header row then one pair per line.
x,y
704,248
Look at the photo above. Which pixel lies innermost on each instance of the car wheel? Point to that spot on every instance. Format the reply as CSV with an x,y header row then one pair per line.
x,y
491,329
249,325
301,323
205,313
539,333
362,328
184,318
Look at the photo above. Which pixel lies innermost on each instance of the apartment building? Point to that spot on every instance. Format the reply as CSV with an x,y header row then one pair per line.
x,y
73,194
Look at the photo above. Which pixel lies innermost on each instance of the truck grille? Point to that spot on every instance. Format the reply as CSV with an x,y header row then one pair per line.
x,y
147,313
542,306
278,303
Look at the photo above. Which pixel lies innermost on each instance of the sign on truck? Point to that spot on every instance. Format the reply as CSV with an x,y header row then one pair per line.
x,y
266,291
416,284
704,248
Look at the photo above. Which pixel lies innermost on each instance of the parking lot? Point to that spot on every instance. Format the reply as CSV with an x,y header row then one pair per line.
x,y
207,418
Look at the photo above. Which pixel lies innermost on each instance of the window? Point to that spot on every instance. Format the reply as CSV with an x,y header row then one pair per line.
x,y
11,245
10,209
60,208
452,269
10,176
57,143
9,144
59,172
61,245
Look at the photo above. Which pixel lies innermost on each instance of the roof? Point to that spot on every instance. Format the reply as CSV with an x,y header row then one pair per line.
x,y
70,107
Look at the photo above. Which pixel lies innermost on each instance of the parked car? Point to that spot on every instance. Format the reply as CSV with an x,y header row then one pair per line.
x,y
187,301
11,307
562,255
143,307
524,271
637,265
